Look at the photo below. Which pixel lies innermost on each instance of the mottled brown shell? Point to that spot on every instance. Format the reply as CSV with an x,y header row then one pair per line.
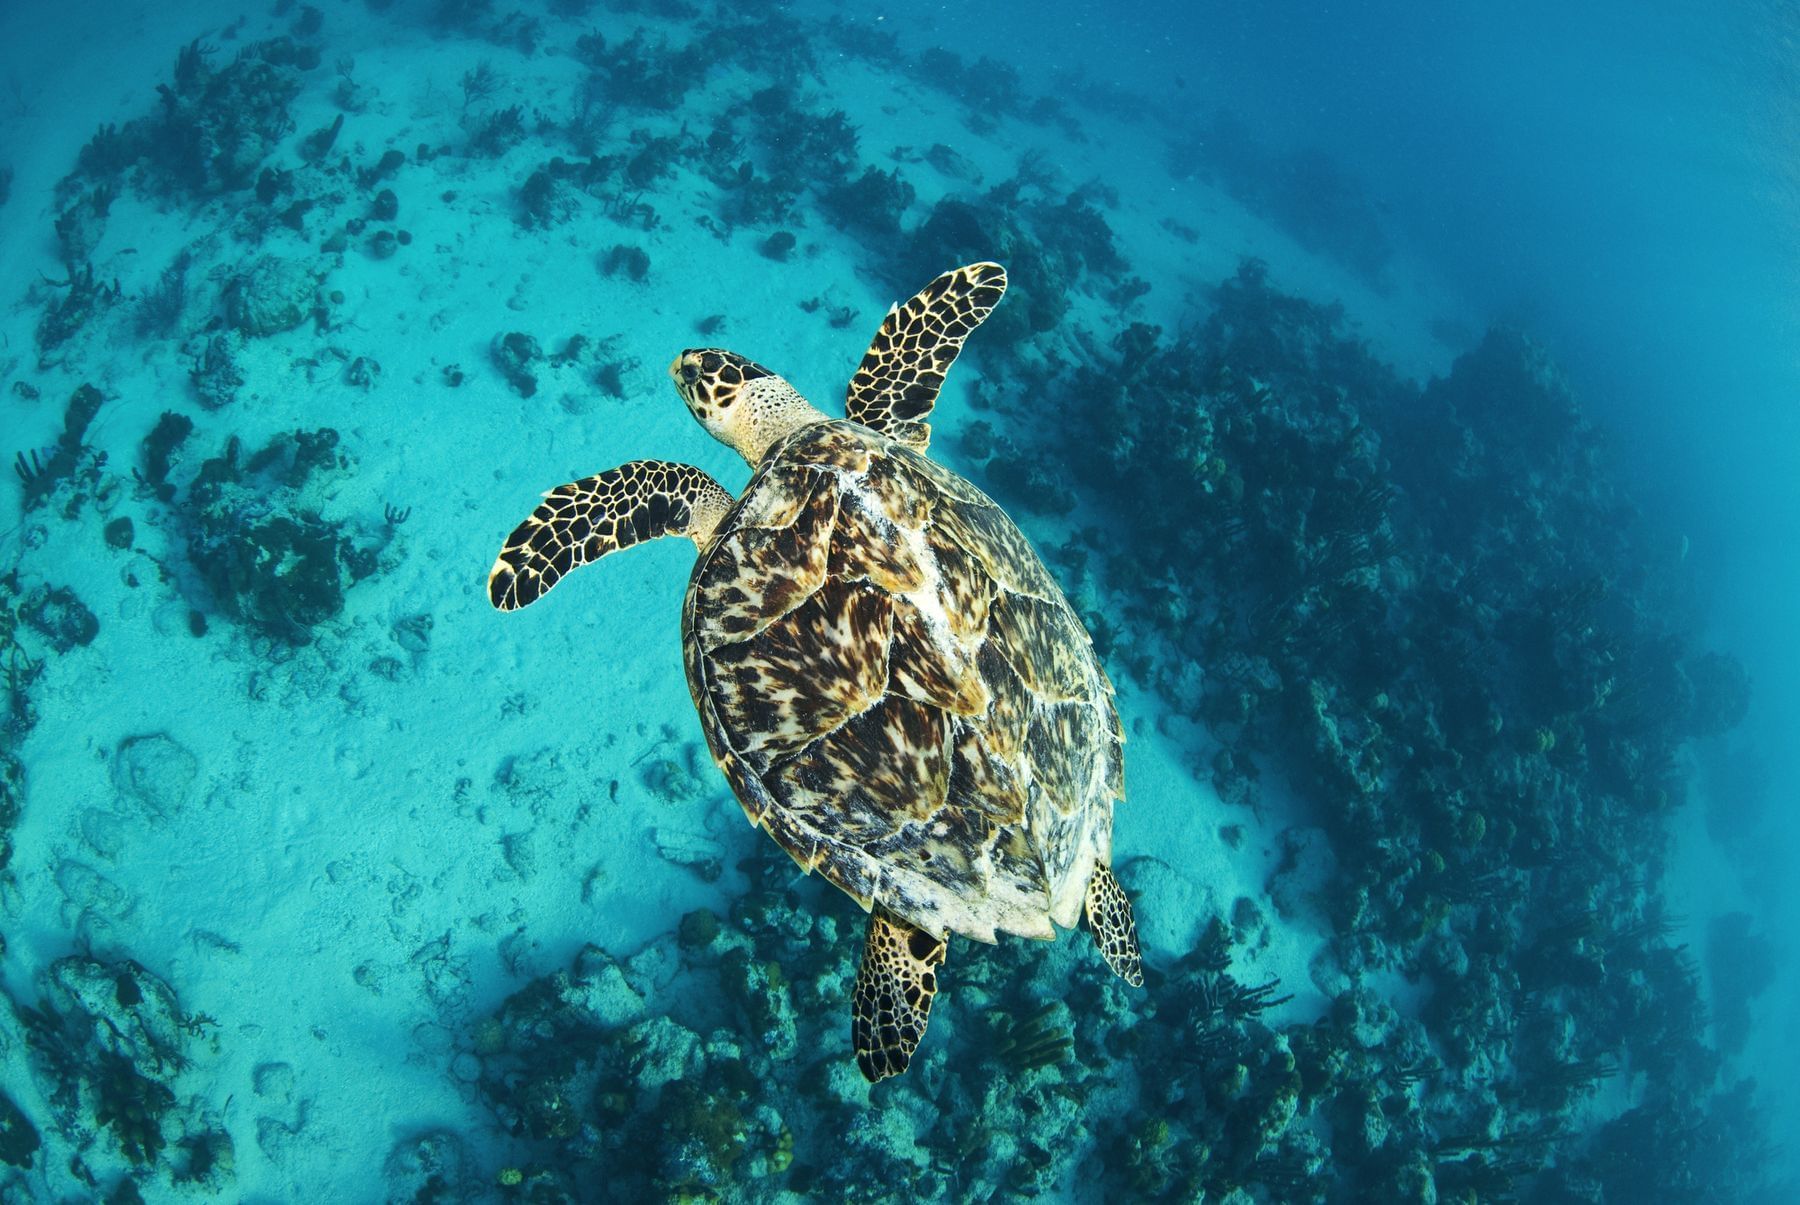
x,y
898,691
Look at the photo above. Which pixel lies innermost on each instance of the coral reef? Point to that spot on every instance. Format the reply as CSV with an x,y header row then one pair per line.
x,y
59,617
1497,726
274,294
257,539
109,1043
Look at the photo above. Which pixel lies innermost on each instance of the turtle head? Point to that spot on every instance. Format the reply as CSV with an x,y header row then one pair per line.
x,y
742,404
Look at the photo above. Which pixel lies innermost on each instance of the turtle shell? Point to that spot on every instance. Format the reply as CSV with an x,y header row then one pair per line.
x,y
898,691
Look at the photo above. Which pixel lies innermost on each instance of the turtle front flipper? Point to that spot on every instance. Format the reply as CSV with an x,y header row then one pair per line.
x,y
584,520
894,989
1115,932
897,383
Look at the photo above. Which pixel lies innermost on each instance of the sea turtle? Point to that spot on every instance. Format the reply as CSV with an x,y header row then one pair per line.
x,y
892,682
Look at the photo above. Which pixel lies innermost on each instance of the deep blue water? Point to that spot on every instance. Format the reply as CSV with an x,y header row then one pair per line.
x,y
1403,397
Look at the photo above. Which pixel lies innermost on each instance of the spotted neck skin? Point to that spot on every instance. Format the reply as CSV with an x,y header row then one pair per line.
x,y
741,404
768,411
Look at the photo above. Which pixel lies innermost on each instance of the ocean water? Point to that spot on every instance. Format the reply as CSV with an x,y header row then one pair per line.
x,y
1402,398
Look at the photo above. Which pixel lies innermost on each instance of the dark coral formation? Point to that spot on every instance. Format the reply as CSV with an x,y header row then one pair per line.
x,y
57,615
109,1044
70,472
732,1083
1435,612
269,558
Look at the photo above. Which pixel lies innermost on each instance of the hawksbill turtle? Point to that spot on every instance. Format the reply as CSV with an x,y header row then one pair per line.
x,y
892,682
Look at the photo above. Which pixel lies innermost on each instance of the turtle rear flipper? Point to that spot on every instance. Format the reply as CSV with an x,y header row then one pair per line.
x,y
897,383
1115,930
894,989
584,520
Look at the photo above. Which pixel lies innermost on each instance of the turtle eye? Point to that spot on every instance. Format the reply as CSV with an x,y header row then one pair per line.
x,y
689,374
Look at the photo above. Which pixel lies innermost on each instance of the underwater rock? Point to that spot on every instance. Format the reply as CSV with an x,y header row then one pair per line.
x,y
662,1052
12,798
535,780
428,1167
517,355
91,901
874,203
272,561
443,975
675,781
759,989
698,931
135,1014
1297,885
696,851
277,1138
274,1082
217,126
155,772
1169,905
80,227
1413,1182
778,246
103,832
274,294
413,633
19,1139
111,1038
54,613
600,989
160,447
952,163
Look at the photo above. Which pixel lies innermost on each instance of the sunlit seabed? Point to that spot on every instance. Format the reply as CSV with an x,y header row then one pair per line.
x,y
1446,825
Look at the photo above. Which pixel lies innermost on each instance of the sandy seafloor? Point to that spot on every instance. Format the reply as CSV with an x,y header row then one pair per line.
x,y
343,867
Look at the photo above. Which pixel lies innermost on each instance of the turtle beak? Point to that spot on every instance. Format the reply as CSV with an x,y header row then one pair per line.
x,y
675,369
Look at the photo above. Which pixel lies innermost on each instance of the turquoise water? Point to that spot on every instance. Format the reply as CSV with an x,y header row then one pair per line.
x,y
1402,400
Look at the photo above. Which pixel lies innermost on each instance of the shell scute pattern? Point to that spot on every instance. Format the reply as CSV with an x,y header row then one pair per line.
x,y
985,783
868,545
943,483
1034,635
968,592
870,777
1065,747
803,675
901,492
921,666
1009,715
775,560
983,530
883,731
